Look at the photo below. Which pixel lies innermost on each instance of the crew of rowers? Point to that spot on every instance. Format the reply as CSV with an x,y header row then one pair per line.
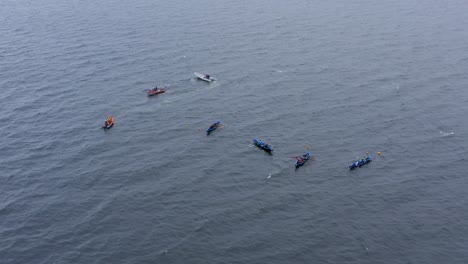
x,y
109,121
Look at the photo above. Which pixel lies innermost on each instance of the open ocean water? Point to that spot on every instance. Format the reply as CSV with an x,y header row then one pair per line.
x,y
342,77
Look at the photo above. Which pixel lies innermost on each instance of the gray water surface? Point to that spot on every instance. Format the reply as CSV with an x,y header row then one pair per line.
x,y
340,77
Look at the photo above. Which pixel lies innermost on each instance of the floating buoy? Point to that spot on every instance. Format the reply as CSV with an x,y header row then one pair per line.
x,y
307,147
378,153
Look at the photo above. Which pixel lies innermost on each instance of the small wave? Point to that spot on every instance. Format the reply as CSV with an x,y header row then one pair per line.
x,y
279,71
446,134
395,86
